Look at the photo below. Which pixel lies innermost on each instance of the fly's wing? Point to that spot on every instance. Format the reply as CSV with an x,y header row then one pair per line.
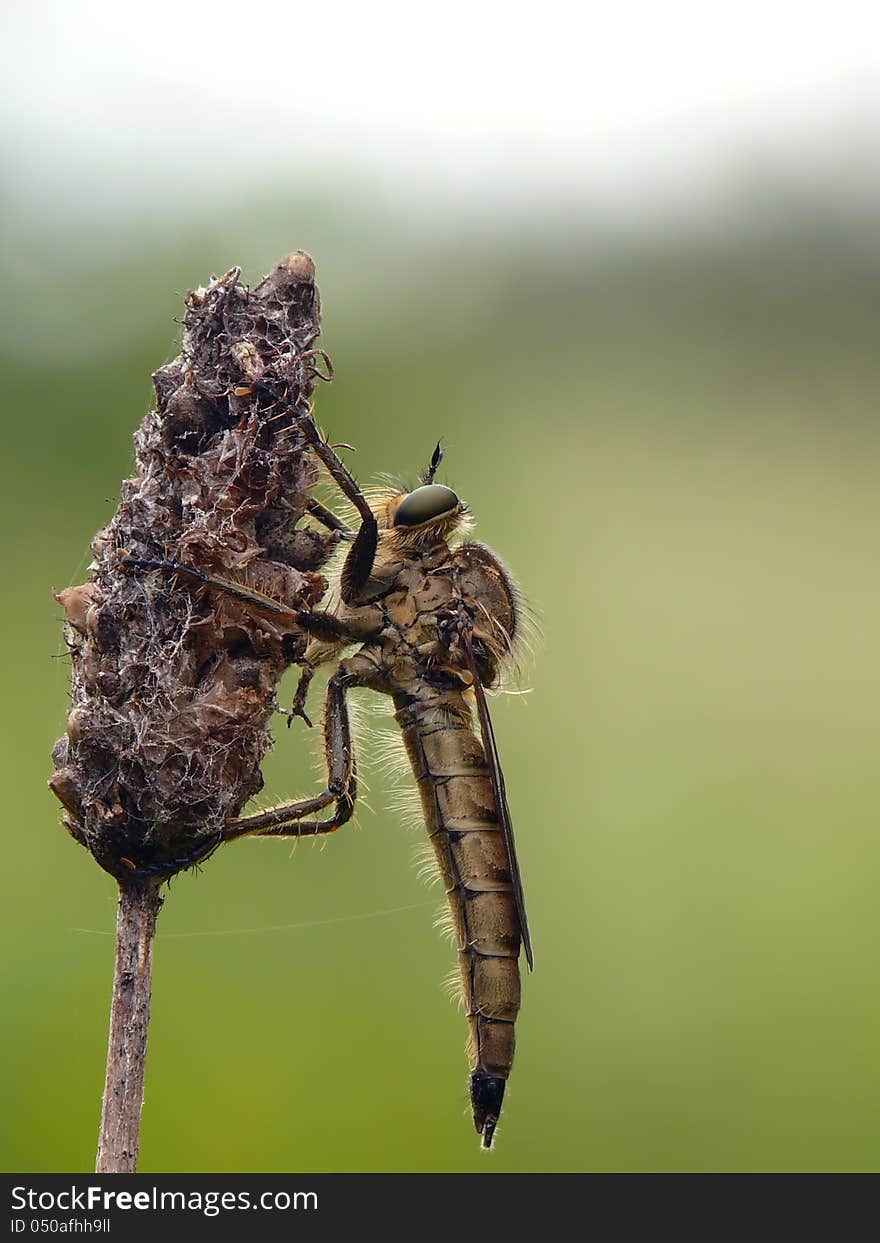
x,y
498,788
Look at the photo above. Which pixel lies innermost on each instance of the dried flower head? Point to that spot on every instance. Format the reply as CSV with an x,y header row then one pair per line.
x,y
173,689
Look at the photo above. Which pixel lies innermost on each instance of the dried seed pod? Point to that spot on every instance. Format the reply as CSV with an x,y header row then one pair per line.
x,y
173,688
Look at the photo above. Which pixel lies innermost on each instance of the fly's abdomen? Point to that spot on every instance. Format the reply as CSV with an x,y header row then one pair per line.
x,y
459,808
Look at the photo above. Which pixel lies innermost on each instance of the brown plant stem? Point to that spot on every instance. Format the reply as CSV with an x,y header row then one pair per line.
x,y
129,1023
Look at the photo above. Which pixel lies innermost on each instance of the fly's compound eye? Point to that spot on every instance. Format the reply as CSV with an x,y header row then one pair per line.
x,y
431,500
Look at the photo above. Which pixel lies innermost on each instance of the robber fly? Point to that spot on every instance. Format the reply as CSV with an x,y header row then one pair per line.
x,y
436,624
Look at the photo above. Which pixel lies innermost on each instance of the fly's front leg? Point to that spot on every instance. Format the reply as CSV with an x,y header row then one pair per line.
x,y
451,623
457,633
359,562
290,819
328,519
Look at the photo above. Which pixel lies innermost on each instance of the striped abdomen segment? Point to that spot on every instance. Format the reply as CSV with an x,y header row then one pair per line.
x,y
459,807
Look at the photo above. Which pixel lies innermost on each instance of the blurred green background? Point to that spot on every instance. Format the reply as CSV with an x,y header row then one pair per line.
x,y
671,437
678,457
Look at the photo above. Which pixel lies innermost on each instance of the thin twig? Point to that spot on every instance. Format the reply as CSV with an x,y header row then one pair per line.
x,y
129,1022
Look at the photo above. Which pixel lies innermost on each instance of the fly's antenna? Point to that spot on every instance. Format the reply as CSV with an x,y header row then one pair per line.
x,y
427,476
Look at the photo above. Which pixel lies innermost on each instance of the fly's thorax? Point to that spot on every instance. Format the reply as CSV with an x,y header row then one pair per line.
x,y
417,594
413,607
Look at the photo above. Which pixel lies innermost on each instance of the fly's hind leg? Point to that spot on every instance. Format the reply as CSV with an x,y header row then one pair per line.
x,y
291,819
170,867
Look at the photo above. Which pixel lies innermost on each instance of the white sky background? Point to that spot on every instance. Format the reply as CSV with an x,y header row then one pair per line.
x,y
637,109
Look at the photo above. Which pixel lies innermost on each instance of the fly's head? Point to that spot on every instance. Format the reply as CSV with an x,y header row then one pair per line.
x,y
428,515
